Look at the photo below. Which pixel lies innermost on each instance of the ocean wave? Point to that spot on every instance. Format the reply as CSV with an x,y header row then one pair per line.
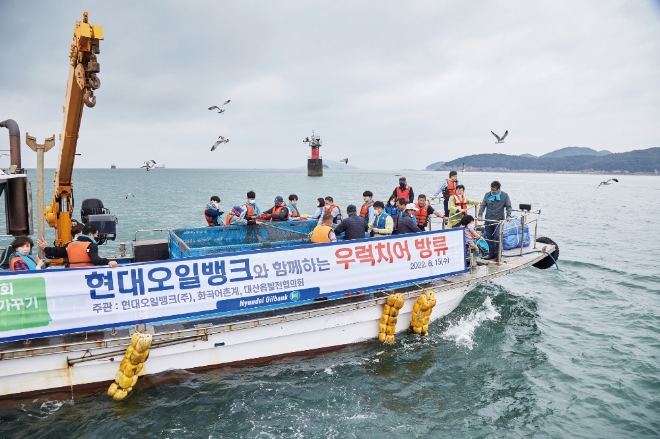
x,y
462,332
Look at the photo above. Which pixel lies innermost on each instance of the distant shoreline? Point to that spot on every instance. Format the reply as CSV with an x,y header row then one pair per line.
x,y
536,171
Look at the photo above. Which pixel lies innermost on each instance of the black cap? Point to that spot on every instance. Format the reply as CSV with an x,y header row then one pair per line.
x,y
351,208
402,179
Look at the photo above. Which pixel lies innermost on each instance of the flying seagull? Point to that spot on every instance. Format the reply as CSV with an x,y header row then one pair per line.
x,y
219,142
220,109
608,182
149,164
344,161
500,139
129,195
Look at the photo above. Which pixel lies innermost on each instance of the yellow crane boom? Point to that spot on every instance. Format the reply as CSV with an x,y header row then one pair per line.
x,y
81,83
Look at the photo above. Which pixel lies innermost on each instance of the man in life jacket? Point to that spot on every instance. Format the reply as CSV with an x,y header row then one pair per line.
x,y
404,191
250,210
234,218
212,212
294,214
382,223
353,227
423,211
406,222
367,209
458,205
21,260
448,188
76,230
324,232
83,252
279,212
331,208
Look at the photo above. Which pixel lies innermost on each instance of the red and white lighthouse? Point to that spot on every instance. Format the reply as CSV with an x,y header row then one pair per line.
x,y
314,162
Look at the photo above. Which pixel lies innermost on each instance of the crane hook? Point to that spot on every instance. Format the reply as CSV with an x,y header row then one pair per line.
x,y
89,99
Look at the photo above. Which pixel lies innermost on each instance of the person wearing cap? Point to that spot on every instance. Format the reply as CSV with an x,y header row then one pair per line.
x,y
448,188
324,232
354,226
279,212
404,191
382,224
235,218
407,224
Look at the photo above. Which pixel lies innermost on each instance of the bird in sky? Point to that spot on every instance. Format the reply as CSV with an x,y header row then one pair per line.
x,y
343,161
219,142
149,164
129,195
500,139
220,109
608,182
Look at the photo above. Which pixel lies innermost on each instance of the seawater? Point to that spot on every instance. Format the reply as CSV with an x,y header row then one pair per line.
x,y
568,353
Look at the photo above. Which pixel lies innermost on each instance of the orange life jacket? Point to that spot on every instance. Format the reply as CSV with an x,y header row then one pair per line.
x,y
77,254
403,193
211,221
321,234
364,211
422,214
250,210
12,264
329,209
460,201
450,190
228,218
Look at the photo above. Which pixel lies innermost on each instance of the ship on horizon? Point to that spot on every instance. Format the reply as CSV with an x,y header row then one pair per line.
x,y
112,166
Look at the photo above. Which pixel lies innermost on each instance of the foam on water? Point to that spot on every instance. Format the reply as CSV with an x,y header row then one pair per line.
x,y
463,331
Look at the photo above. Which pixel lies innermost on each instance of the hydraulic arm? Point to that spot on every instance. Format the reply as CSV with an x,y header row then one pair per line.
x,y
81,83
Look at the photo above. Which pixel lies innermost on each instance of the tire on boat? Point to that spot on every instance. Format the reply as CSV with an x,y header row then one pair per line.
x,y
547,262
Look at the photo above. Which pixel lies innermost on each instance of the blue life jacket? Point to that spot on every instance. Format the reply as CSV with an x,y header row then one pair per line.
x,y
379,221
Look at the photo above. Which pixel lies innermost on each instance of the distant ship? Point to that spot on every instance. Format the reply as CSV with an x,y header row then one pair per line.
x,y
112,166
160,167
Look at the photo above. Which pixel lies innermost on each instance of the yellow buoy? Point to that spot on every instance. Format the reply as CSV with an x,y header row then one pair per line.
x,y
421,315
389,318
130,366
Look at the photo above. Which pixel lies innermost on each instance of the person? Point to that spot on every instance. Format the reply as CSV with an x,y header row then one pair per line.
x,y
212,212
83,252
393,211
404,191
250,210
367,209
324,231
279,212
352,227
293,207
76,230
22,260
458,205
467,221
332,209
448,188
235,218
382,223
495,203
423,211
320,204
406,222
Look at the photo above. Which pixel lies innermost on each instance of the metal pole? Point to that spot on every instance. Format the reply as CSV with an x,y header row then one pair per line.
x,y
522,233
40,149
499,247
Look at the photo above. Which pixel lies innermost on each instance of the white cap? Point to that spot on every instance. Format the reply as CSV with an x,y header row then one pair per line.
x,y
411,206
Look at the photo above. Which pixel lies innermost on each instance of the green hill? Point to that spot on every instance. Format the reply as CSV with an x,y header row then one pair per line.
x,y
646,160
575,150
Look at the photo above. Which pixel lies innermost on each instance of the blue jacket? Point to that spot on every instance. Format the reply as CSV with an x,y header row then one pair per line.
x,y
353,227
407,224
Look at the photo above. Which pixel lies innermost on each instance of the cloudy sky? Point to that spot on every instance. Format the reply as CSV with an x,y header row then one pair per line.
x,y
388,84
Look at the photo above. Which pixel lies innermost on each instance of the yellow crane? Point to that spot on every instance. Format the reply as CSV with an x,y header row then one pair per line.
x,y
81,83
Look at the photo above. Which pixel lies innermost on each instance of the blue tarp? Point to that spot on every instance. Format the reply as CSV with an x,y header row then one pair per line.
x,y
511,237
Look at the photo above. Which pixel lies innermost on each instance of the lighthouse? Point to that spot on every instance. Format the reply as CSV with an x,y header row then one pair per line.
x,y
314,162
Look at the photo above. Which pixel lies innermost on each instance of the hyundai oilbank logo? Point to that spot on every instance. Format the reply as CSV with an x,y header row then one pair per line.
x,y
294,296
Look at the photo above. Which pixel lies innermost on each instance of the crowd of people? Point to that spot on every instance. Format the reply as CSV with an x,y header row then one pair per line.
x,y
399,215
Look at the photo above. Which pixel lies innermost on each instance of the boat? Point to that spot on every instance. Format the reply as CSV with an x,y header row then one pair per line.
x,y
215,296
160,167
112,166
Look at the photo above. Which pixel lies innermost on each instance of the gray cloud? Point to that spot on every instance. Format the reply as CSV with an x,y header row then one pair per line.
x,y
389,84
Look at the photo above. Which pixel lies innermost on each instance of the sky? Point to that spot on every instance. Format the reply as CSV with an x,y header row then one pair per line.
x,y
390,85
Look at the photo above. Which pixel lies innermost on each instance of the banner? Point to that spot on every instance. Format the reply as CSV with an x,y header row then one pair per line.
x,y
40,303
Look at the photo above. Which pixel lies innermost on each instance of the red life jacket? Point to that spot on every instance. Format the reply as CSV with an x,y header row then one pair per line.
x,y
77,254
276,211
460,201
210,221
13,262
450,190
364,211
403,193
422,214
329,209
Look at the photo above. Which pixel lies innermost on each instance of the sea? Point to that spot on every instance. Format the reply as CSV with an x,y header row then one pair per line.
x,y
573,352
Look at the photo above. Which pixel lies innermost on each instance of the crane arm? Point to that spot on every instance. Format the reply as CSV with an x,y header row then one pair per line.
x,y
81,83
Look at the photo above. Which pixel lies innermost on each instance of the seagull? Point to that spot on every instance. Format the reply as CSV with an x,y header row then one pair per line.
x,y
149,164
344,161
500,140
608,182
220,109
219,142
129,194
